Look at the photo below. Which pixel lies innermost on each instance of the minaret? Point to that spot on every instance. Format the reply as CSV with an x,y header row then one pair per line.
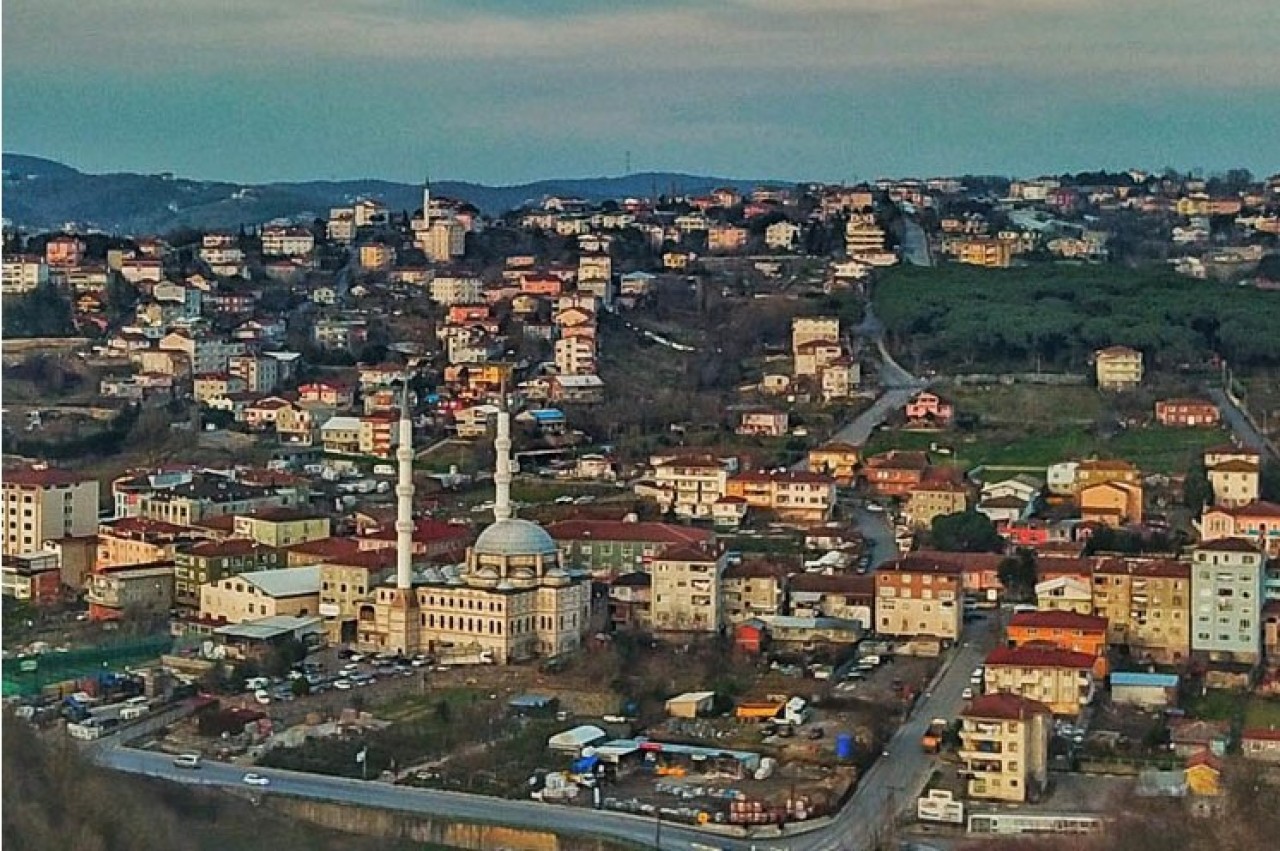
x,y
426,203
502,474
404,497
404,625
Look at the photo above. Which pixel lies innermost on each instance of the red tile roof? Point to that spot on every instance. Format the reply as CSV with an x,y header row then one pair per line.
x,y
1169,568
43,478
1235,466
1006,707
1035,657
1260,508
616,530
1059,620
425,530
681,552
1260,734
1229,545
229,547
896,459
916,564
853,585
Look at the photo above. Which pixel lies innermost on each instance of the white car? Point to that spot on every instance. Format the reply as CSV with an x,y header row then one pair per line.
x,y
256,780
342,685
262,696
875,506
967,694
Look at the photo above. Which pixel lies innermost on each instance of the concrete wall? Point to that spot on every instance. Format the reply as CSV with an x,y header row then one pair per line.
x,y
397,825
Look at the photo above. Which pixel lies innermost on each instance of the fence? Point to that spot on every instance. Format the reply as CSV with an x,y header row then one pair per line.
x,y
28,675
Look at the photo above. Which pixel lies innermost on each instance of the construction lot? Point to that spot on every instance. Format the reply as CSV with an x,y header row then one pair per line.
x,y
467,729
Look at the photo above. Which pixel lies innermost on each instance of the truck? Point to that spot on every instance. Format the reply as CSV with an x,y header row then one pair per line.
x,y
931,741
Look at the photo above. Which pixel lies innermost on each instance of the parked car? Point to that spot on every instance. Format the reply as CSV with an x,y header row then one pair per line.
x,y
256,780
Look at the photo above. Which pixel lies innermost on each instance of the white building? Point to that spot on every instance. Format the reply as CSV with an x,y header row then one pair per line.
x,y
1227,588
22,273
287,242
575,356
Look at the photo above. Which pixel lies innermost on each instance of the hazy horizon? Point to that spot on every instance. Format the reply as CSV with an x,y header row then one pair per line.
x,y
506,93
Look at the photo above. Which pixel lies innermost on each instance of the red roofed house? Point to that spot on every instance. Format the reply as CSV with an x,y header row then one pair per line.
x,y
1064,630
432,539
1190,413
916,599
611,548
1004,747
1061,679
793,496
895,473
1260,743
930,410
1258,522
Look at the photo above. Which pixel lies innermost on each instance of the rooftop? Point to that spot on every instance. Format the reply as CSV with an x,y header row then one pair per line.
x,y
618,530
1035,657
1059,620
286,582
47,477
1006,707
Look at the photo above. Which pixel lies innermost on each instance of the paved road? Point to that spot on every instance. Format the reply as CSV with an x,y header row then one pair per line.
x,y
888,788
1240,425
876,530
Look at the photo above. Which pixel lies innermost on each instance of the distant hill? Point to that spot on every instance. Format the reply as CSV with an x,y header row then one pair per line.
x,y
41,194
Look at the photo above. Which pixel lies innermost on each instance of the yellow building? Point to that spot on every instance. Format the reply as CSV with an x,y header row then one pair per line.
x,y
985,252
794,496
929,500
375,256
1111,503
837,460
1060,679
1097,471
1235,482
1118,368
134,540
282,527
810,329
752,589
686,590
265,593
1004,747
47,504
1147,606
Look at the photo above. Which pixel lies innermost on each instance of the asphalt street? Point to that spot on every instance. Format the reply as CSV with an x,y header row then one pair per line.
x,y
1240,425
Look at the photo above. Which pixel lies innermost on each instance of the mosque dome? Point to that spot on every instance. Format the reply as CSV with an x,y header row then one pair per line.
x,y
514,537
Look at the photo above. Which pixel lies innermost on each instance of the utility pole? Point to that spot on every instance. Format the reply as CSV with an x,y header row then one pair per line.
x,y
657,828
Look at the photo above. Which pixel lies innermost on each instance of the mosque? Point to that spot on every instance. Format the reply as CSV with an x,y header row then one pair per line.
x,y
510,600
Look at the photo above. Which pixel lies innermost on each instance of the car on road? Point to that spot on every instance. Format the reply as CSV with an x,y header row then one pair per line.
x,y
967,694
187,760
343,685
256,780
875,506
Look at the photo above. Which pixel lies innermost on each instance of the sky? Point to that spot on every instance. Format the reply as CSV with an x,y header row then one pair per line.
x,y
510,91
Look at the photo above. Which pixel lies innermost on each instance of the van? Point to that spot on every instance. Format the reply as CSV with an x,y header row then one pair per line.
x,y
187,760
384,470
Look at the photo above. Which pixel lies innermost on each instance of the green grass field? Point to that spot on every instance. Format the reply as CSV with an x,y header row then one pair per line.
x,y
1154,449
1260,712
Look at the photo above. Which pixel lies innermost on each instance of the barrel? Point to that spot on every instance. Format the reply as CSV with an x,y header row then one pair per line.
x,y
844,746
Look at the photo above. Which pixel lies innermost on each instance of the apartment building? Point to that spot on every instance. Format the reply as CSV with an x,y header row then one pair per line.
x,y
1147,604
575,356
752,589
44,503
896,472
1065,594
451,290
281,527
686,590
134,540
1004,747
210,562
794,496
133,590
1118,368
690,486
842,596
919,599
810,329
837,460
1235,482
1071,631
1060,679
444,240
987,252
287,242
932,499
22,273
1112,504
376,257
1227,585
608,548
763,423
209,495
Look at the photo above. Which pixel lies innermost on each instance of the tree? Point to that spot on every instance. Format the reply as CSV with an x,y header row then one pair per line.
x,y
967,532
1018,575
1197,492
